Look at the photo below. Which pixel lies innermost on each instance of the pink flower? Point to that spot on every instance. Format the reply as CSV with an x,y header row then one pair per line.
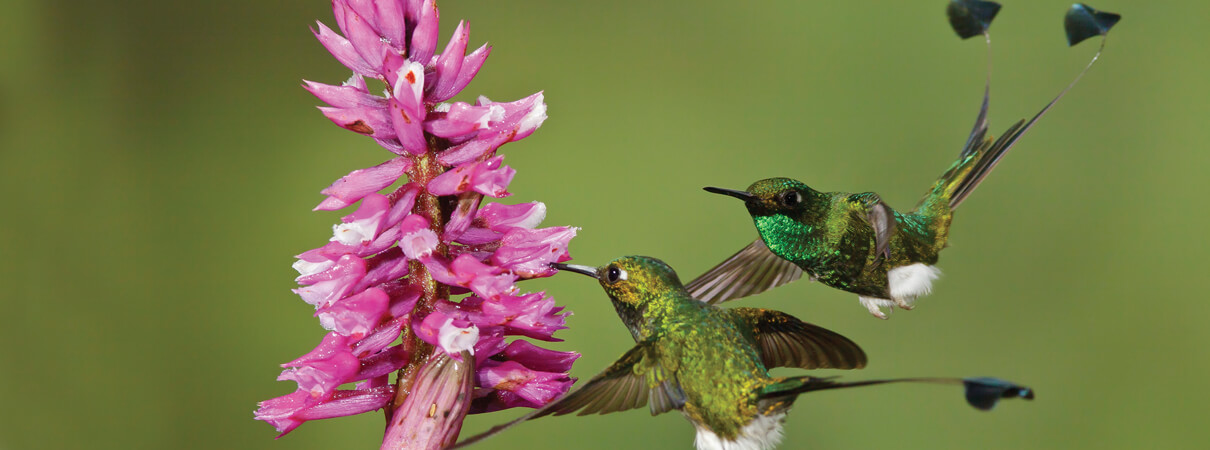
x,y
393,269
512,384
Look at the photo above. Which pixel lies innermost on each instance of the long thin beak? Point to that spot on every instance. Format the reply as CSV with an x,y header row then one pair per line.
x,y
730,193
583,270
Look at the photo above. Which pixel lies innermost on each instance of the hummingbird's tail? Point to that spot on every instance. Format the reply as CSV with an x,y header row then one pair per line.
x,y
981,153
982,392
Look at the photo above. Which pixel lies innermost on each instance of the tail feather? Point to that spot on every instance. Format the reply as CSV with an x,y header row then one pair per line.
x,y
981,154
981,393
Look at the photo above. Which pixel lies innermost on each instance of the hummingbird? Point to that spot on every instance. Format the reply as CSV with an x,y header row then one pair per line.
x,y
711,364
855,241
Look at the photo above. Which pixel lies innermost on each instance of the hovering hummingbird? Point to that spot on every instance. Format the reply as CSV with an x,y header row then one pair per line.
x,y
711,364
856,242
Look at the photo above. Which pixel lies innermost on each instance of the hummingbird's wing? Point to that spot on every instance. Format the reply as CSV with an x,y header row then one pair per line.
x,y
881,218
785,341
621,386
753,270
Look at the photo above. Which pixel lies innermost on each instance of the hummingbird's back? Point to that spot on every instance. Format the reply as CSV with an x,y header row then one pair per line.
x,y
717,364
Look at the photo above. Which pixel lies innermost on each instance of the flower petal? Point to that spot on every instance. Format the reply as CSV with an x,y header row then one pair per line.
x,y
470,67
539,358
463,215
501,218
361,182
343,50
448,65
528,253
488,178
424,36
516,385
364,37
407,109
323,288
323,369
356,315
417,241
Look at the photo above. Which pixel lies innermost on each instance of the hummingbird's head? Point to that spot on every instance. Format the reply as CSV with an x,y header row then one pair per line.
x,y
773,196
631,280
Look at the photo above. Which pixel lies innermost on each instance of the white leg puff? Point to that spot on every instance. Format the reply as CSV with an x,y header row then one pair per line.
x,y
912,281
764,432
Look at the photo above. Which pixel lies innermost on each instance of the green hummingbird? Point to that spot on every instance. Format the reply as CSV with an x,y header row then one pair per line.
x,y
712,364
854,241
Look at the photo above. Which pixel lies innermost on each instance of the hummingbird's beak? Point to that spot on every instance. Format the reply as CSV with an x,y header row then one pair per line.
x,y
730,193
585,270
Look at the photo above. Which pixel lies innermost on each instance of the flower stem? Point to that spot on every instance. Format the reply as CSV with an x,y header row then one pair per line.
x,y
424,170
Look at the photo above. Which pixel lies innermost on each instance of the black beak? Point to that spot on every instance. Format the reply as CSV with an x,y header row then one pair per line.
x,y
730,193
583,270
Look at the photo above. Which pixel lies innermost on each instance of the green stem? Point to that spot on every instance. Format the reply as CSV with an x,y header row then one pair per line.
x,y
424,170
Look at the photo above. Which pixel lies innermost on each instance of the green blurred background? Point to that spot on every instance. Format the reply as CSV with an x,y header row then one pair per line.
x,y
160,162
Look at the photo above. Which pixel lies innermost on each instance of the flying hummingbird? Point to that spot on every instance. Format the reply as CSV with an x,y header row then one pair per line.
x,y
854,241
712,364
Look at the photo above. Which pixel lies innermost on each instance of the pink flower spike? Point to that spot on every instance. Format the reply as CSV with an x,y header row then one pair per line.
x,y
361,182
431,416
356,315
528,253
372,284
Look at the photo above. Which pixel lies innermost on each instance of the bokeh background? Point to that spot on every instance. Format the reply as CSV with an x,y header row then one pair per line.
x,y
160,161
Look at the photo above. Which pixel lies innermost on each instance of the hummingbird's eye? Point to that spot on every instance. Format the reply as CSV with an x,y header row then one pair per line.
x,y
790,199
614,274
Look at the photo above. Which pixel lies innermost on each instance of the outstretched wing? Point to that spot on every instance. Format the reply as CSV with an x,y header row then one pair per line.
x,y
785,341
623,385
753,270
